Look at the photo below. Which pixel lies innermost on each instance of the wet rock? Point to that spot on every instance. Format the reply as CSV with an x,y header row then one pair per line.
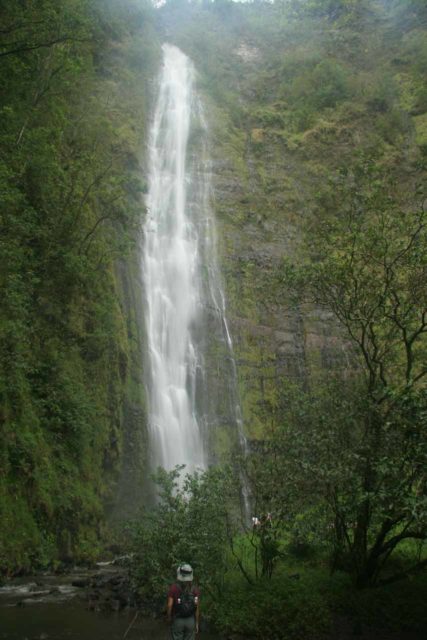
x,y
115,605
80,582
106,590
109,591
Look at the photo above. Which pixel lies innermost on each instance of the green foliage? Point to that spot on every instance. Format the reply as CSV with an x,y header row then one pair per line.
x,y
189,524
193,522
368,255
323,86
300,90
282,608
367,452
70,137
391,608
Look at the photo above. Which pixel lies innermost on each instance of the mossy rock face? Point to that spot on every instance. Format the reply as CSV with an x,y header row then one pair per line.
x,y
70,363
290,100
259,203
420,123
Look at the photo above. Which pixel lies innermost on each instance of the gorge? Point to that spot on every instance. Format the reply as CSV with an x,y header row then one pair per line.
x,y
213,255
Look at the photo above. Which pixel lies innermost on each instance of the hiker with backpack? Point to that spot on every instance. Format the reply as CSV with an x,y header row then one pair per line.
x,y
183,608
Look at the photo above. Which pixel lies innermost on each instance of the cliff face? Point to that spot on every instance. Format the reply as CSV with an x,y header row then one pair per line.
x,y
275,341
73,124
297,96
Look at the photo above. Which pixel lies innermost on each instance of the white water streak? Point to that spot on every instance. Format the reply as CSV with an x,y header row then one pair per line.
x,y
170,269
181,276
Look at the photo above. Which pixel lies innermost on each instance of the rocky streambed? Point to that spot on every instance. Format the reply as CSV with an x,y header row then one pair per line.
x,y
80,605
105,588
99,605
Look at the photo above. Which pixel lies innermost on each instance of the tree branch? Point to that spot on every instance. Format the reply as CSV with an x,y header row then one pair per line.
x,y
403,574
41,45
20,25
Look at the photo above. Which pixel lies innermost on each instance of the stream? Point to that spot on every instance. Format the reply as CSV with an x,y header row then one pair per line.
x,y
48,607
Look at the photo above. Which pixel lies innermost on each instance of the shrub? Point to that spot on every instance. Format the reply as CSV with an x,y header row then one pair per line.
x,y
188,524
285,607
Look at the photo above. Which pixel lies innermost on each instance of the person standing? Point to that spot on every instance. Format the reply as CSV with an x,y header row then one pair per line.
x,y
183,605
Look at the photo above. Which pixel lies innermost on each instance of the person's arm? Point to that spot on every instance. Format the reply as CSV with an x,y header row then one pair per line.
x,y
169,609
197,615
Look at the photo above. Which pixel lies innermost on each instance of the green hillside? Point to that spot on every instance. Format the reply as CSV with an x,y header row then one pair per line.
x,y
73,117
317,120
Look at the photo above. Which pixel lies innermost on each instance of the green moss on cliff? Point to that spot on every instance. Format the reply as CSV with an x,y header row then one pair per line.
x,y
296,91
73,124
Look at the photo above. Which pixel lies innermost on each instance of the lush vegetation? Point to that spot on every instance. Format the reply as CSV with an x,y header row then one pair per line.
x,y
317,114
72,123
318,120
367,267
274,575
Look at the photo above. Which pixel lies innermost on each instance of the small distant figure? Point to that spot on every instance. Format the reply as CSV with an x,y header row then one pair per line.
x,y
255,521
183,605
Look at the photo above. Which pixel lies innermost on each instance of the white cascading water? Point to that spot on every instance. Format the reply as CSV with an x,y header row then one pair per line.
x,y
184,299
170,269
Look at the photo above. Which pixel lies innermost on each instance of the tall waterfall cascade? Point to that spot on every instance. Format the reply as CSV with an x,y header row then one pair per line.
x,y
185,308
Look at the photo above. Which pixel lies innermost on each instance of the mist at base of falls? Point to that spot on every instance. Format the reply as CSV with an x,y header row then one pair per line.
x,y
189,343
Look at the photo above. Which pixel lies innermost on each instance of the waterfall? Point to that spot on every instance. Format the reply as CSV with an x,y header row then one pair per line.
x,y
185,308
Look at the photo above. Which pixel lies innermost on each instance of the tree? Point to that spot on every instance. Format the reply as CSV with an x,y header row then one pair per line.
x,y
70,204
189,523
367,266
29,27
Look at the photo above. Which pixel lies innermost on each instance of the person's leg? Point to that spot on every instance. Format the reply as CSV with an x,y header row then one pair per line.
x,y
189,628
177,629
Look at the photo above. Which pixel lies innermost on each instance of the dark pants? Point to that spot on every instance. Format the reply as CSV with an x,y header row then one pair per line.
x,y
183,628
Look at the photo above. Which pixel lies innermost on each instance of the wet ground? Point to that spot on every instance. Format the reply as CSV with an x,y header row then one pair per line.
x,y
72,621
50,608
